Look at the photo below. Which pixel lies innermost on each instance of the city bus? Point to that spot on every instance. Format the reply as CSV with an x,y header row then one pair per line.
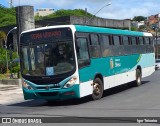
x,y
74,61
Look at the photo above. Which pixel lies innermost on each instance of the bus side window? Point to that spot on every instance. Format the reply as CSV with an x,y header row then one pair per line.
x,y
141,40
146,40
151,41
133,40
116,40
105,40
125,40
130,40
94,39
95,50
82,52
105,43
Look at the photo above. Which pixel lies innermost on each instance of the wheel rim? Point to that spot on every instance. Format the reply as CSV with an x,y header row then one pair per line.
x,y
138,78
96,89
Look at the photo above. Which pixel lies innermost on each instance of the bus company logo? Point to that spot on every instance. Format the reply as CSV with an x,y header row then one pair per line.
x,y
6,120
111,63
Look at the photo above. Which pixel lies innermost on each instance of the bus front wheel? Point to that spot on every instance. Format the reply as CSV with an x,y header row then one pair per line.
x,y
97,89
138,77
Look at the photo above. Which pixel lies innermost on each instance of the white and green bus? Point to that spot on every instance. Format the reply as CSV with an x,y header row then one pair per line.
x,y
74,61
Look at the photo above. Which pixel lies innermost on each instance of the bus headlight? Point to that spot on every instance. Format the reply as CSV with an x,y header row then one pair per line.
x,y
25,85
71,82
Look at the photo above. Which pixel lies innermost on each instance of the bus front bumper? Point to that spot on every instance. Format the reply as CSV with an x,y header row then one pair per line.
x,y
56,94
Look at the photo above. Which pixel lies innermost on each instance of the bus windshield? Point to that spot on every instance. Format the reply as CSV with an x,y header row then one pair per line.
x,y
47,53
47,59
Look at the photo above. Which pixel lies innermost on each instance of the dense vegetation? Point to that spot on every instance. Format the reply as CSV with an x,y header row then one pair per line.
x,y
4,57
60,13
139,18
7,16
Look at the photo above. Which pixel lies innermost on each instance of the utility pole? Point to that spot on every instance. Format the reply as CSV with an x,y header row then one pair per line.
x,y
10,3
85,15
24,20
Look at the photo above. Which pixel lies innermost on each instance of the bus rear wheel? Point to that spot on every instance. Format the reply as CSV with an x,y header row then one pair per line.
x,y
138,77
97,89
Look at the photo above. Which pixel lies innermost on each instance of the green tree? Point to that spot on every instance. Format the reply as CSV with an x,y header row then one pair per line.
x,y
142,28
3,61
2,38
7,16
133,28
60,13
139,18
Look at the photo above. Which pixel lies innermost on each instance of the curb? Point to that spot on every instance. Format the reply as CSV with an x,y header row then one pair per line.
x,y
17,82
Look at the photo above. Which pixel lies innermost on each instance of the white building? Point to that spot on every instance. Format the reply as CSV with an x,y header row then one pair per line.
x,y
44,11
138,24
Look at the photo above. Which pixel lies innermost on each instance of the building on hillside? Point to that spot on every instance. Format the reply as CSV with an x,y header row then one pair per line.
x,y
154,20
137,24
157,48
44,11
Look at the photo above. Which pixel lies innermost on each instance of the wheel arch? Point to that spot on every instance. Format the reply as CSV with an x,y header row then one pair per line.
x,y
99,75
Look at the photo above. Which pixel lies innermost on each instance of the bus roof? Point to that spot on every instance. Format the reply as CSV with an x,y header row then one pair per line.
x,y
82,28
93,29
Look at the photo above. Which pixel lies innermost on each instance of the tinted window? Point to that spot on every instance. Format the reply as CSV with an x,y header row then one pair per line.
x,y
94,39
146,40
141,40
151,41
133,40
82,49
116,40
105,40
82,52
125,40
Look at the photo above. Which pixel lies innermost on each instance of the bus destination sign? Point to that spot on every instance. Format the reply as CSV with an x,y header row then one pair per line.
x,y
47,34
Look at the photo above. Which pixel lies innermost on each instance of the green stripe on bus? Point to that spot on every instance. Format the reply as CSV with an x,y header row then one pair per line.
x,y
114,65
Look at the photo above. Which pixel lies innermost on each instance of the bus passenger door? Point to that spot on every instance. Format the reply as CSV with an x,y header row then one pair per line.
x,y
84,69
83,58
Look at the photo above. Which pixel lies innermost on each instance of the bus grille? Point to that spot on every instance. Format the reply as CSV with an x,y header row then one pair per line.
x,y
48,93
50,87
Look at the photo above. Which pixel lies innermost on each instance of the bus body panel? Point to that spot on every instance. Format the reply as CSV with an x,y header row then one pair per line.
x,y
115,65
55,94
48,92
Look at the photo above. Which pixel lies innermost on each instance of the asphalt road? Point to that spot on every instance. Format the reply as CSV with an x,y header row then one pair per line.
x,y
123,101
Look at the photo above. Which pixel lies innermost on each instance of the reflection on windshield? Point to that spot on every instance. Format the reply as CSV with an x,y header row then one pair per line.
x,y
47,59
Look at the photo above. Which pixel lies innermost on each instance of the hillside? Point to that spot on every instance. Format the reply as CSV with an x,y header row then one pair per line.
x,y
60,13
7,16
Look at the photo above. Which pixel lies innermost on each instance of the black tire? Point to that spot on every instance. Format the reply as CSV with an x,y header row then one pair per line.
x,y
97,89
138,81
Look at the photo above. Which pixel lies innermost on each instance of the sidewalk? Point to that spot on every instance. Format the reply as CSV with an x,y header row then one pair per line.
x,y
10,93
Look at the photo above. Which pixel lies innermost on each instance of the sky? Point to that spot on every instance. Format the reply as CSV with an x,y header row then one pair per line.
x,y
119,9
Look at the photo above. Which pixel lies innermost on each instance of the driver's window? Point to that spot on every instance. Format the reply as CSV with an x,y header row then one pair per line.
x,y
82,51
